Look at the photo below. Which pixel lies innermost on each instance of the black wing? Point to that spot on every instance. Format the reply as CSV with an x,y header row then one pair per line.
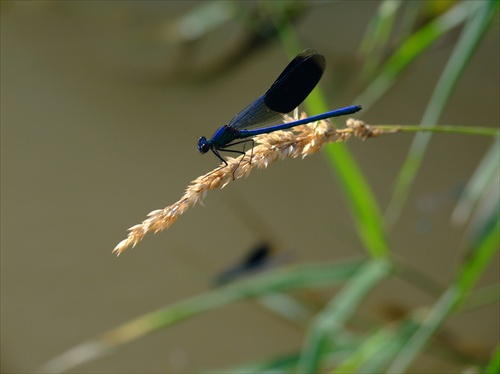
x,y
289,90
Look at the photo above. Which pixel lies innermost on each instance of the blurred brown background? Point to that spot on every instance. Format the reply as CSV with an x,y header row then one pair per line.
x,y
101,108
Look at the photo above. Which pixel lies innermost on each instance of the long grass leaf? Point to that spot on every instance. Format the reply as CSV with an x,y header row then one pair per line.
x,y
465,130
411,49
486,171
361,201
376,351
494,364
360,198
480,14
451,299
279,281
334,316
377,34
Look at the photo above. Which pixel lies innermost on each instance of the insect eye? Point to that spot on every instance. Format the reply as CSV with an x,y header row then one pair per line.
x,y
203,146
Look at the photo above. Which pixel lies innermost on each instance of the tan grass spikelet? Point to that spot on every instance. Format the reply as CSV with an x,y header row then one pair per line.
x,y
301,140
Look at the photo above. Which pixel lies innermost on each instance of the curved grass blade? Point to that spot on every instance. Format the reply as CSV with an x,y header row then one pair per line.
x,y
494,364
376,351
451,300
480,15
280,281
276,365
377,35
411,49
362,203
334,316
360,198
480,201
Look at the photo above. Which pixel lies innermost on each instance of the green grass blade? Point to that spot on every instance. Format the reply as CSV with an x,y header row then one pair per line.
x,y
287,307
361,200
411,49
280,281
332,319
371,346
494,364
283,364
376,351
482,297
480,15
377,35
484,249
465,130
451,299
486,171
